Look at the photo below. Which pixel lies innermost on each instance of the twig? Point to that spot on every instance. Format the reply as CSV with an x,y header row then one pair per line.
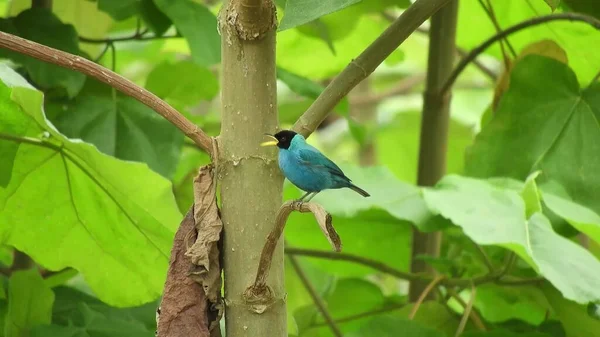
x,y
486,260
467,312
364,314
259,292
136,37
473,314
424,294
513,29
114,80
497,277
489,10
366,63
315,297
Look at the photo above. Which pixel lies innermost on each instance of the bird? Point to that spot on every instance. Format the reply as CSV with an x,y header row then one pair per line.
x,y
306,167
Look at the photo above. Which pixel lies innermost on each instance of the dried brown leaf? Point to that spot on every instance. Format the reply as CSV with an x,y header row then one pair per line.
x,y
183,308
204,252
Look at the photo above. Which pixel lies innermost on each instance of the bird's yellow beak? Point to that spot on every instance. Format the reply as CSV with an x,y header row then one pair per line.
x,y
272,142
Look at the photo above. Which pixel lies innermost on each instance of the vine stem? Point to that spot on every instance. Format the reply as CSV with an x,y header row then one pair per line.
x,y
511,30
89,68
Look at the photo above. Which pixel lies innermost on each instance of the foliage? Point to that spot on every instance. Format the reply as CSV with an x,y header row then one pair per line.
x,y
93,183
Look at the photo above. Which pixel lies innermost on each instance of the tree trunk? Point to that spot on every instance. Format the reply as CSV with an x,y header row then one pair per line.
x,y
250,181
434,126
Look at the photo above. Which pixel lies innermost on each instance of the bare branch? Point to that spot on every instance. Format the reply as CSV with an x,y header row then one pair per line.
x,y
473,314
259,293
315,297
513,29
366,63
111,78
467,312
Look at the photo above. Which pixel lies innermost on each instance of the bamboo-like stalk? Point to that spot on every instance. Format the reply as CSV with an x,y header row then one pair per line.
x,y
434,127
249,179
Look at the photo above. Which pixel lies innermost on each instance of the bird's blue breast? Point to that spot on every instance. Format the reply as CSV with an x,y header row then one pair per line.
x,y
310,178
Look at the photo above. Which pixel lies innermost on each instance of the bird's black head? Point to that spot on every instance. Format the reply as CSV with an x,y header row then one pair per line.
x,y
283,139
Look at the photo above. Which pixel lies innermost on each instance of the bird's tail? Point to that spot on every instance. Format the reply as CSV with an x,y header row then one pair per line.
x,y
359,190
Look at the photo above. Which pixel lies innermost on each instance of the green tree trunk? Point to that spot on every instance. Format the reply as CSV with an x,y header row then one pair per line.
x,y
250,181
434,126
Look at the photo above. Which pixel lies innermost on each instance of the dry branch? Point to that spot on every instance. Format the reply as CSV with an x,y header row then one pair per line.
x,y
89,68
259,293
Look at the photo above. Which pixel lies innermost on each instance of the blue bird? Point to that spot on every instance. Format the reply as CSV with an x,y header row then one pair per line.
x,y
306,167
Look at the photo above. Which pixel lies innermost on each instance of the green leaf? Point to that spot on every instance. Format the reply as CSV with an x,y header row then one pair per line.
x,y
122,127
500,304
183,82
580,217
156,20
40,25
199,27
494,216
390,326
544,122
299,12
119,9
573,316
107,217
307,88
503,333
29,303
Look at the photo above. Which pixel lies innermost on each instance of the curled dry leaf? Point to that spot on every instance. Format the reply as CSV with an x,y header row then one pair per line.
x,y
183,308
204,252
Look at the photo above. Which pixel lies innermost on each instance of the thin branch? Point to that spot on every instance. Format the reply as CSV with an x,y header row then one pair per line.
x,y
364,314
136,37
424,295
473,314
489,10
497,277
366,63
315,297
486,260
403,87
114,80
513,29
467,312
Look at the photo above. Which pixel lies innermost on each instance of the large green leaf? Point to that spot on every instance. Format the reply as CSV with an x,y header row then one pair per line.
x,y
491,215
574,317
499,304
183,83
122,127
583,6
86,210
504,333
298,12
119,9
576,38
42,26
544,122
29,303
434,315
154,18
199,27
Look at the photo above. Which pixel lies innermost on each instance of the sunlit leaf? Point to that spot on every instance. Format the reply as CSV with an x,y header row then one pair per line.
x,y
154,18
580,217
493,216
573,316
390,326
119,9
106,217
298,12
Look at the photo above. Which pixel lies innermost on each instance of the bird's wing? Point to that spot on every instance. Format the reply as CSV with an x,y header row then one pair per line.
x,y
312,157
